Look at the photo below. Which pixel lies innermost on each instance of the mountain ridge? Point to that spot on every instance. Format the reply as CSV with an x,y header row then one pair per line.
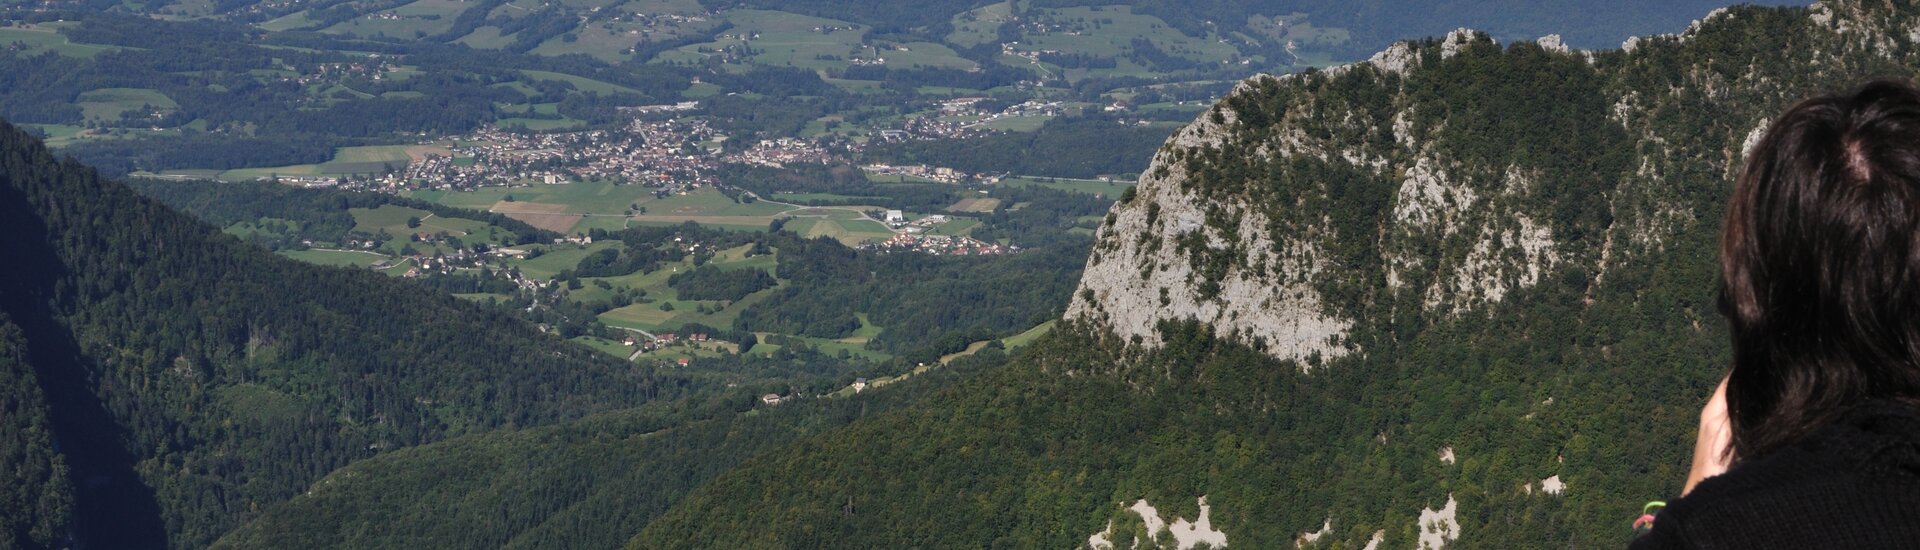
x,y
1515,242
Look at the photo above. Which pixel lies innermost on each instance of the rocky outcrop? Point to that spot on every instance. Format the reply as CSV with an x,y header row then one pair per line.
x,y
1303,206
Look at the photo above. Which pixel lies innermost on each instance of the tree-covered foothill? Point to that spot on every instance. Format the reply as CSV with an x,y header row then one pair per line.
x,y
38,497
599,480
709,282
928,305
1081,147
194,379
317,214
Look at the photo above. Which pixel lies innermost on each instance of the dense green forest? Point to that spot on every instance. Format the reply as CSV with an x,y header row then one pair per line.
x,y
39,497
597,481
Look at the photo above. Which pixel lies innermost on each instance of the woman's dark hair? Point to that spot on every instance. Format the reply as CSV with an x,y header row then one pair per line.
x,y
1820,265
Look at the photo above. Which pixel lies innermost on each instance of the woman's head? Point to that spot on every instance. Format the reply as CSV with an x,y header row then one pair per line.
x,y
1820,265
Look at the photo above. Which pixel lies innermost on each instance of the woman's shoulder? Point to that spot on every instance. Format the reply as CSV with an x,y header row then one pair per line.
x,y
1853,483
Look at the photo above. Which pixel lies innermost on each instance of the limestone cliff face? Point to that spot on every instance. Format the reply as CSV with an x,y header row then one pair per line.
x,y
1441,176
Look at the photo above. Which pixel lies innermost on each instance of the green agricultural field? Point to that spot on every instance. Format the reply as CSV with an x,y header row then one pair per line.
x,y
587,197
107,104
44,38
1111,189
421,18
559,257
1107,31
796,197
613,41
296,20
651,317
742,224
59,134
1029,336
846,226
701,90
486,38
469,231
542,124
346,258
390,218
785,39
1017,123
926,54
482,297
827,346
374,159
737,258
979,25
606,223
958,226
708,202
865,333
268,227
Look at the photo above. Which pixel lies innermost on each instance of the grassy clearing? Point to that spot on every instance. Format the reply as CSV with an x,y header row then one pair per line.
x,y
1029,336
600,198
842,225
347,161
415,20
926,54
980,25
606,346
39,39
59,135
542,124
581,83
971,349
708,202
799,197
787,39
345,258
486,38
560,257
975,205
389,218
107,104
296,20
1111,189
613,41
1107,31
1017,123
958,226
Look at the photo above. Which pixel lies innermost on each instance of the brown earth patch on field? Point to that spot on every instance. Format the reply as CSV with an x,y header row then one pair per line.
x,y
717,220
558,223
974,205
419,153
504,207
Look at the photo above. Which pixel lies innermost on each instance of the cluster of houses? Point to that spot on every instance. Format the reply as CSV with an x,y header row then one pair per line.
x,y
663,339
673,152
940,245
940,174
783,151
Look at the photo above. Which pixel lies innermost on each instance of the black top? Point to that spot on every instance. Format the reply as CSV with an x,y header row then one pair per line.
x,y
1852,484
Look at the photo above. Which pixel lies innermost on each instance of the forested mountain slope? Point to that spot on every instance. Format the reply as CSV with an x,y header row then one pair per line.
x,y
1460,293
167,382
